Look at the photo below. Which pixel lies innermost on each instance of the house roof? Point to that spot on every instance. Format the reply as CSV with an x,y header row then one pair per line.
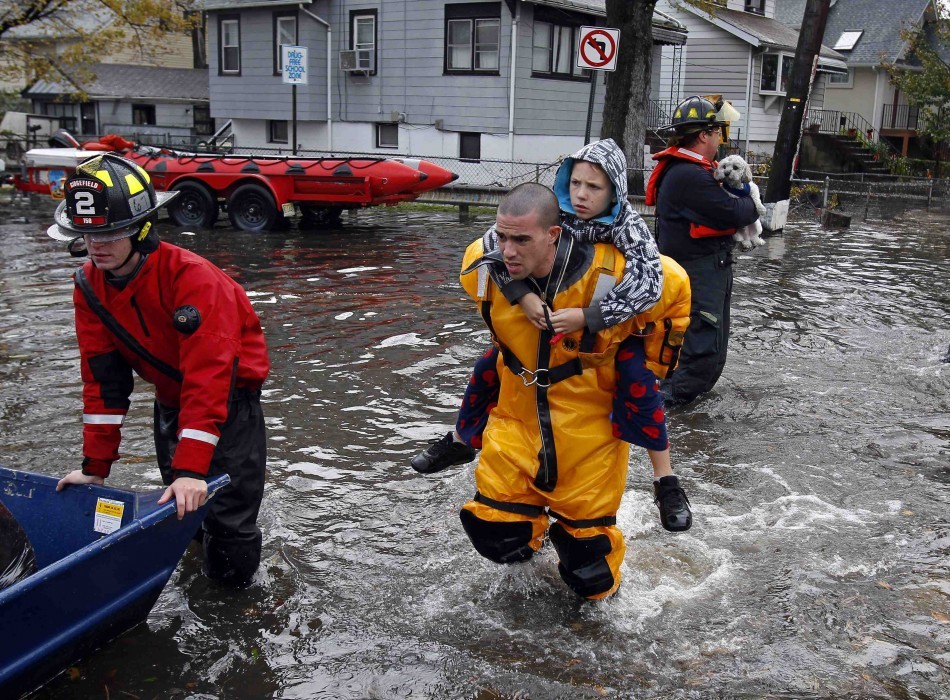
x,y
937,40
764,31
239,4
790,12
133,82
66,22
879,21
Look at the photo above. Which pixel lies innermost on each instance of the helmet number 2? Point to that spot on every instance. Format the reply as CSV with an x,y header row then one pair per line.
x,y
85,203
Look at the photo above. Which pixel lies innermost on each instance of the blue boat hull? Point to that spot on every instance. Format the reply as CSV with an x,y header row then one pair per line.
x,y
90,586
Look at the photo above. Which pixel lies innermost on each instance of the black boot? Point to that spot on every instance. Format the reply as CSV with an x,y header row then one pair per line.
x,y
674,506
442,455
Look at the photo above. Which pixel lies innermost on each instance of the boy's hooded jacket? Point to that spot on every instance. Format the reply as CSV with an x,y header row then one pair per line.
x,y
642,281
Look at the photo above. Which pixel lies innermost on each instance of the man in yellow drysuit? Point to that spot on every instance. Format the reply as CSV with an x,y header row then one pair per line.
x,y
549,450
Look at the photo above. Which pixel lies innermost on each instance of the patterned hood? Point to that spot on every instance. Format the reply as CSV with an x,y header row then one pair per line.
x,y
607,155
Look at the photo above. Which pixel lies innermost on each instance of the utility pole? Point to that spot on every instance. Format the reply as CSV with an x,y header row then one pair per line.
x,y
796,97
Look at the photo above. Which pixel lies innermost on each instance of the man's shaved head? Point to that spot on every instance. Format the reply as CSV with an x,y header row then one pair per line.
x,y
531,197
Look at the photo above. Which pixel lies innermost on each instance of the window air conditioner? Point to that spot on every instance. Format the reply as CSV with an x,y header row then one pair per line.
x,y
357,60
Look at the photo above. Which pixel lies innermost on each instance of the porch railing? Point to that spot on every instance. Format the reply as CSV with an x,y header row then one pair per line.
x,y
660,113
900,117
833,121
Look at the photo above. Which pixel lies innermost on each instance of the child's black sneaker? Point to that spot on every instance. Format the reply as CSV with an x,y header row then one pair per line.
x,y
442,454
675,514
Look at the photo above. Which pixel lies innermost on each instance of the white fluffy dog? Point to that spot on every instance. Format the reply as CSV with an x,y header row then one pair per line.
x,y
736,176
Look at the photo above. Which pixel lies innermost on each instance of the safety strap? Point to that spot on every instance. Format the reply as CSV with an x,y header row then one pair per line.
x,y
121,333
541,376
674,349
527,509
606,521
533,511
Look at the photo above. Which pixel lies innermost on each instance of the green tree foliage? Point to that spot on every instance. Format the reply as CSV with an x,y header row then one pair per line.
x,y
929,87
61,39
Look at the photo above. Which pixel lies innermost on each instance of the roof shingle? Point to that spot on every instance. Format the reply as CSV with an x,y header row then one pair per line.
x,y
134,82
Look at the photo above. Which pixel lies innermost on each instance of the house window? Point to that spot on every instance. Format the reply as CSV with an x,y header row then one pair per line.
x,y
66,111
470,146
472,34
776,68
841,79
387,135
755,6
204,126
553,51
285,34
229,41
363,39
143,115
87,115
847,40
277,131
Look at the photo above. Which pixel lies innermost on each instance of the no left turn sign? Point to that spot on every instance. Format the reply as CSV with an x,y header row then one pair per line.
x,y
598,48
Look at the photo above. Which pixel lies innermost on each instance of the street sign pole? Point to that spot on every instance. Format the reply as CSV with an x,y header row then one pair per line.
x,y
596,50
294,72
590,108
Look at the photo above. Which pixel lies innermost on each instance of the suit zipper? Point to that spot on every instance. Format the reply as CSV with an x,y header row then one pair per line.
x,y
138,312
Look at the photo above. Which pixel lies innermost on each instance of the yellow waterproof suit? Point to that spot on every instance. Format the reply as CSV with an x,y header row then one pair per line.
x,y
548,449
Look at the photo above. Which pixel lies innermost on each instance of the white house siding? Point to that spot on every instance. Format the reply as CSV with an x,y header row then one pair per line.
x,y
257,93
409,77
656,75
174,51
551,107
765,120
714,62
717,62
550,116
866,84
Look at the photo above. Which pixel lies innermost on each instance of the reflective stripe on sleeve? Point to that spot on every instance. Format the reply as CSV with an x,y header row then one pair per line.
x,y
102,419
199,435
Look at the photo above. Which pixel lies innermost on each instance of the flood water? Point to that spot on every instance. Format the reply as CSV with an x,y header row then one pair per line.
x,y
818,565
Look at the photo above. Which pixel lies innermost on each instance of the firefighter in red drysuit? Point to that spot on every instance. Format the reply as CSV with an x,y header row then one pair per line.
x,y
186,327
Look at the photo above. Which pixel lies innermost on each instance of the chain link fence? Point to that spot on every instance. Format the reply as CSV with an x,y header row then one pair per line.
x,y
864,197
859,195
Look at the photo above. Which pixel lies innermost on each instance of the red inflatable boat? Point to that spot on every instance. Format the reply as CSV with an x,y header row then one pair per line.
x,y
258,192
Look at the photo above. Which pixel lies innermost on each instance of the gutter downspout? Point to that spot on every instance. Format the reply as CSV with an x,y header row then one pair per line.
x,y
511,90
329,83
748,100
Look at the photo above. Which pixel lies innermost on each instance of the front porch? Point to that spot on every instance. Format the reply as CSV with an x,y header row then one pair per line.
x,y
899,126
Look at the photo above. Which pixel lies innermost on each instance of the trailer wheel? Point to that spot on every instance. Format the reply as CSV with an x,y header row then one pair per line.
x,y
194,206
251,208
320,217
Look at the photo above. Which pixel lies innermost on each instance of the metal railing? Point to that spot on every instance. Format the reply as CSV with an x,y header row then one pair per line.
x,y
660,113
833,121
900,117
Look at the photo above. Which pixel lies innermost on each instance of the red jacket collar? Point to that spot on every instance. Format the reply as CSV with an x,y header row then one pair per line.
x,y
664,158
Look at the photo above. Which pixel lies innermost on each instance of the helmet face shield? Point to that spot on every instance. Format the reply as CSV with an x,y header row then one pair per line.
x,y
110,236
